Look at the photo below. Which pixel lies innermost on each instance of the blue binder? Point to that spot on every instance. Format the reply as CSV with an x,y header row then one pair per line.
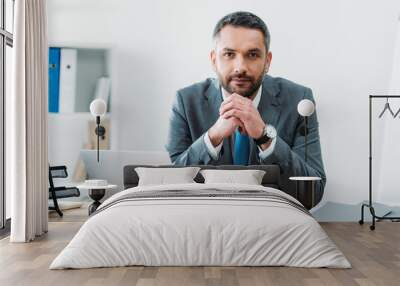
x,y
54,79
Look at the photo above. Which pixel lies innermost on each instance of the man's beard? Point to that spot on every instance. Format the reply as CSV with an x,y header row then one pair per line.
x,y
255,84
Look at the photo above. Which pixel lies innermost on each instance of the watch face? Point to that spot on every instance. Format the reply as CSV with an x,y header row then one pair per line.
x,y
271,132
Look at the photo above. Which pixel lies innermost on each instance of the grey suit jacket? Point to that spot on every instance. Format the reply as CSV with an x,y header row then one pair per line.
x,y
196,109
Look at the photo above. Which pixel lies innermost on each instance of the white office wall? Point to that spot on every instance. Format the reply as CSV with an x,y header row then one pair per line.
x,y
342,49
388,190
68,133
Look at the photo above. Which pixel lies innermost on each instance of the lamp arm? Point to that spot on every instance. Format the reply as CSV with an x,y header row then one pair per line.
x,y
98,138
305,137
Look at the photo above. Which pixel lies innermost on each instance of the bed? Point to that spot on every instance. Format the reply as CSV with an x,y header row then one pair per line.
x,y
198,224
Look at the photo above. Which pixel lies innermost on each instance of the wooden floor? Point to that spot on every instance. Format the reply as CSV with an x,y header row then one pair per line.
x,y
375,257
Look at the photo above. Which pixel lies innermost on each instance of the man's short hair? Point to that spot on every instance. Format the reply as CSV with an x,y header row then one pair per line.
x,y
246,20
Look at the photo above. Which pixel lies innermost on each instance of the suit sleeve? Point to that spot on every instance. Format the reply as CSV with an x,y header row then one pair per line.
x,y
290,158
182,148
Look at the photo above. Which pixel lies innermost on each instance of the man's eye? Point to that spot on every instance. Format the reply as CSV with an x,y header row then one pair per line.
x,y
253,55
228,54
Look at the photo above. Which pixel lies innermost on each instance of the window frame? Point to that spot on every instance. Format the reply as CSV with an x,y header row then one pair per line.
x,y
6,39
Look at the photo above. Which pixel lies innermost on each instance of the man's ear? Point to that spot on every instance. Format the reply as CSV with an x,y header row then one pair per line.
x,y
268,62
213,57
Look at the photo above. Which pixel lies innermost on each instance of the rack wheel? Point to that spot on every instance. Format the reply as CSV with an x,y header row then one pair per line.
x,y
372,227
361,222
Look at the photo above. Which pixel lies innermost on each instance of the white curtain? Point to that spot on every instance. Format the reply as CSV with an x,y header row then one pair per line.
x,y
28,122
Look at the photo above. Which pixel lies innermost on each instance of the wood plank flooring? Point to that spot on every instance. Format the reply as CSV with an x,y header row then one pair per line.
x,y
375,257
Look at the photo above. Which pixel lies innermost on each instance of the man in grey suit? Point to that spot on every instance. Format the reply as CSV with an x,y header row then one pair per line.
x,y
245,117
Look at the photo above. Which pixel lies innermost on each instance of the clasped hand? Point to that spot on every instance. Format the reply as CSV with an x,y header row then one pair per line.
x,y
241,113
236,111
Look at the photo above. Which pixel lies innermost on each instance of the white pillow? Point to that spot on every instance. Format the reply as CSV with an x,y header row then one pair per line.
x,y
248,177
163,176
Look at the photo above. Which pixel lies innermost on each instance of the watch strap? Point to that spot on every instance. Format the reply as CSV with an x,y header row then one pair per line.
x,y
263,139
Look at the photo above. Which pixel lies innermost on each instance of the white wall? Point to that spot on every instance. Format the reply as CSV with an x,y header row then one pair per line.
x,y
343,50
68,133
388,190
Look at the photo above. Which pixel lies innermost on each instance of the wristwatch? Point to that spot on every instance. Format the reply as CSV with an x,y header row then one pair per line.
x,y
269,134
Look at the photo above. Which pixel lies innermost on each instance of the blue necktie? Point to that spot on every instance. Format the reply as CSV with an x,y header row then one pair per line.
x,y
241,149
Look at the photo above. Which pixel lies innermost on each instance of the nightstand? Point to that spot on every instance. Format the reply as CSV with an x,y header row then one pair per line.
x,y
96,193
305,187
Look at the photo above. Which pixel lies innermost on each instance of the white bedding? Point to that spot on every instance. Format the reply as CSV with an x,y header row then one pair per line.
x,y
200,231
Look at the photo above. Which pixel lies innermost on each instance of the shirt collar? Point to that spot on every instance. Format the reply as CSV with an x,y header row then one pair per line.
x,y
256,99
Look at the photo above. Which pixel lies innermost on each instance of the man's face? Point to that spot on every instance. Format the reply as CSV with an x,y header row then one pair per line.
x,y
240,59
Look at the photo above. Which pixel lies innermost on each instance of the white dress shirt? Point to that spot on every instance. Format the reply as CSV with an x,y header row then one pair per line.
x,y
214,151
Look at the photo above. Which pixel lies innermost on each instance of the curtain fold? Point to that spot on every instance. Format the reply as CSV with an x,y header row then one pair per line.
x,y
28,122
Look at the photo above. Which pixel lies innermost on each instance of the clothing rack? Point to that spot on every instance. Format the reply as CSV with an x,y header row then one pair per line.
x,y
370,205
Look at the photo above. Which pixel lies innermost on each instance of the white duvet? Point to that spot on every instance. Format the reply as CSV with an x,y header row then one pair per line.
x,y
200,231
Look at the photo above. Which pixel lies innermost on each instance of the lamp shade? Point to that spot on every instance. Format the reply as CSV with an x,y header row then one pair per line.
x,y
305,107
98,107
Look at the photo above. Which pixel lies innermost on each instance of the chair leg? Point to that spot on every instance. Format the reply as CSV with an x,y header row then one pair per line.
x,y
56,207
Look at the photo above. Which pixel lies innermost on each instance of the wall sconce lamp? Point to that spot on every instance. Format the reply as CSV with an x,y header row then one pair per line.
x,y
98,107
305,108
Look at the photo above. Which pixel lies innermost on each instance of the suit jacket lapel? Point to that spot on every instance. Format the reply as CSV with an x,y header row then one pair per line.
x,y
269,109
269,106
213,97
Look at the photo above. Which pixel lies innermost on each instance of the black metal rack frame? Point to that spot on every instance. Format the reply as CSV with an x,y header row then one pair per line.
x,y
370,205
